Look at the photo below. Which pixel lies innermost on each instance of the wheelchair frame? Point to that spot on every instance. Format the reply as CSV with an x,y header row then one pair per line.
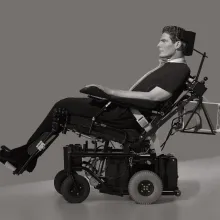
x,y
160,169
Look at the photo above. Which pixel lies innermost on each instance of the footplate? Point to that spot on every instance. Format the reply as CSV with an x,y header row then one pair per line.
x,y
37,149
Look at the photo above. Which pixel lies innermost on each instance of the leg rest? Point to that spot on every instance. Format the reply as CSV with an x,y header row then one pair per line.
x,y
25,157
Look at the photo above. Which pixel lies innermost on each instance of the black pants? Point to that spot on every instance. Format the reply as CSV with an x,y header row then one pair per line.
x,y
115,116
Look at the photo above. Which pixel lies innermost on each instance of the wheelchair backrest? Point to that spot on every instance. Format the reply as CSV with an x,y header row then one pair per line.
x,y
188,91
172,102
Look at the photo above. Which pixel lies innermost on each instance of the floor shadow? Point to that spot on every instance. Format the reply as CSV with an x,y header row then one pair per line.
x,y
70,210
189,189
98,205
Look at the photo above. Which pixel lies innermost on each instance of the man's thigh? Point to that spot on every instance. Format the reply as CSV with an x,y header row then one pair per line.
x,y
85,107
88,107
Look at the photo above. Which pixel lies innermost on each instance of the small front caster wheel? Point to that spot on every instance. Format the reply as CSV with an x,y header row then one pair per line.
x,y
178,193
58,180
75,188
145,187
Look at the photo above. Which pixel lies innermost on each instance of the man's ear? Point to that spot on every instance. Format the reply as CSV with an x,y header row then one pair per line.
x,y
178,45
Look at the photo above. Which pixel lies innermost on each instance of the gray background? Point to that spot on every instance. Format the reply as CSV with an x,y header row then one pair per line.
x,y
52,49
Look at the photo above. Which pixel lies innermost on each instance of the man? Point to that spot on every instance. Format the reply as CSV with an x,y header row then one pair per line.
x,y
160,84
172,51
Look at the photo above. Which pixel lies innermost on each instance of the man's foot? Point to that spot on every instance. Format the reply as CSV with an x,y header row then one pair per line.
x,y
17,157
6,159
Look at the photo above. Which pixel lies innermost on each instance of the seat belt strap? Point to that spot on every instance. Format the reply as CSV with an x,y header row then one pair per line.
x,y
143,122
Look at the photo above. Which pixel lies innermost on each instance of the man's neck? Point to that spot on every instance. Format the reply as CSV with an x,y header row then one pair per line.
x,y
177,60
180,59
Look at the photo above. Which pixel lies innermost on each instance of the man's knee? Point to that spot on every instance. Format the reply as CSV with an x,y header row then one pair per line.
x,y
74,105
62,102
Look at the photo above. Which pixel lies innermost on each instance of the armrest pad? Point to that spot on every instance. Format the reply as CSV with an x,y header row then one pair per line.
x,y
95,92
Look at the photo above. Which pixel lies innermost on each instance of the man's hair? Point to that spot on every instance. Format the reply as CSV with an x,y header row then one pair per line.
x,y
175,33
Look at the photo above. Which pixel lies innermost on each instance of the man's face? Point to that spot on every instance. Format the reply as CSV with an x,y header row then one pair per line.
x,y
166,47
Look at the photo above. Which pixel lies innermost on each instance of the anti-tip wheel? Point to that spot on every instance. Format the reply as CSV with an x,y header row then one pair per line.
x,y
145,187
69,189
58,180
177,193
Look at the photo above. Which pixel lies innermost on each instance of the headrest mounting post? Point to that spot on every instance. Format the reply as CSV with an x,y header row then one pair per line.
x,y
201,63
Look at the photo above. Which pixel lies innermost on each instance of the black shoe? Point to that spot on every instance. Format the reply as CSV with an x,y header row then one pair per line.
x,y
21,156
17,157
5,156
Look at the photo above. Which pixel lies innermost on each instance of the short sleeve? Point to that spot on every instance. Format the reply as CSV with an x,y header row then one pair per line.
x,y
174,78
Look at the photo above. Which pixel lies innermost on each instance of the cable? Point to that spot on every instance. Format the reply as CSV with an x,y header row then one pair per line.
x,y
173,126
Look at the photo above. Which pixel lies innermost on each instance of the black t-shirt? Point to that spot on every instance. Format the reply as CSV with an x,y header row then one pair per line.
x,y
170,77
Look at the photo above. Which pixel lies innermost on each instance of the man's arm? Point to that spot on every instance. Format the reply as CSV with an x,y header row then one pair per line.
x,y
156,94
160,94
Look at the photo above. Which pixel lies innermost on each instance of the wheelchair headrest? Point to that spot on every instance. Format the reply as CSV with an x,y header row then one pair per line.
x,y
189,38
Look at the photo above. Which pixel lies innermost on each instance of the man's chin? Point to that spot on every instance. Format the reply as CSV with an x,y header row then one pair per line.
x,y
164,57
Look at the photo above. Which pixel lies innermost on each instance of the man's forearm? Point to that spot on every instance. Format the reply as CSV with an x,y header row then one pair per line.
x,y
131,94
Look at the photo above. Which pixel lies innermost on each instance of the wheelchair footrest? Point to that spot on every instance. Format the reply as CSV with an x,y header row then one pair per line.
x,y
38,145
35,150
19,170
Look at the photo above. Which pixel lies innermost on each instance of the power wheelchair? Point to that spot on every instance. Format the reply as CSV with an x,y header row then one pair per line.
x,y
135,168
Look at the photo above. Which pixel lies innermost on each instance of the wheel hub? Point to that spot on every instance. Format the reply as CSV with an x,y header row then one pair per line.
x,y
145,188
76,192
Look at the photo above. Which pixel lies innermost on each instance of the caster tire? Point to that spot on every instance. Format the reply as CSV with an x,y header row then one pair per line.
x,y
145,187
58,180
69,191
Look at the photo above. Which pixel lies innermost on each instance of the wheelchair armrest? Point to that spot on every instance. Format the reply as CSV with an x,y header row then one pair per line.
x,y
143,104
95,92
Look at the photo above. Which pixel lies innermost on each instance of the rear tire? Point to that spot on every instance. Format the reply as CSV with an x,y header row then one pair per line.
x,y
145,187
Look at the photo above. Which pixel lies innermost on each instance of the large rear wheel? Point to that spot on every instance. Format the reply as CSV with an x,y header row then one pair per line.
x,y
145,187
